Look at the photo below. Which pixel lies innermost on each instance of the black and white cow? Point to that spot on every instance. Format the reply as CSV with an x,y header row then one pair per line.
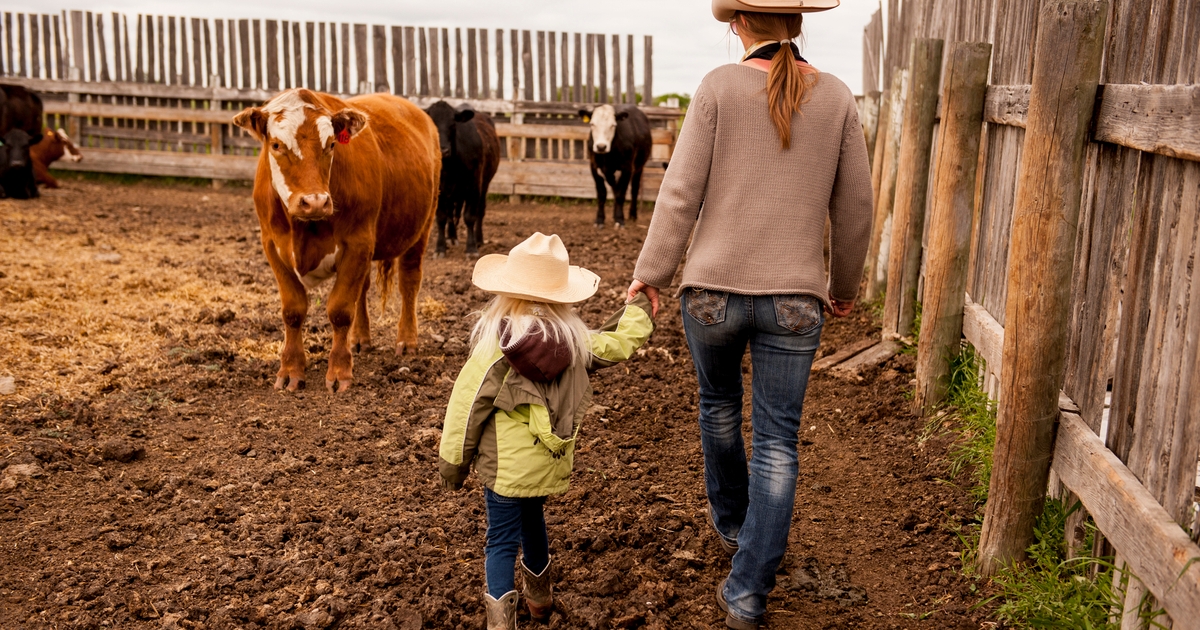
x,y
470,158
619,143
20,129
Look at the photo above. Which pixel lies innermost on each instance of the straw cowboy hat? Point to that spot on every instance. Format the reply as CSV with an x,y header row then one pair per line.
x,y
538,270
723,10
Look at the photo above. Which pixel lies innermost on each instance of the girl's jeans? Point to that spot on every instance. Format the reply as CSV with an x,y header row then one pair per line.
x,y
512,524
751,505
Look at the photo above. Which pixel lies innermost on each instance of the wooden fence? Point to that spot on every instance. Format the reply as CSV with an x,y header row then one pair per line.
x,y
155,95
1125,435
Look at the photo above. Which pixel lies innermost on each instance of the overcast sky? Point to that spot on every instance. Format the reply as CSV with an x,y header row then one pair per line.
x,y
688,42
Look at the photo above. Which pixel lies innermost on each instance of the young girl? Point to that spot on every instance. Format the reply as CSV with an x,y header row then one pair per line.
x,y
518,403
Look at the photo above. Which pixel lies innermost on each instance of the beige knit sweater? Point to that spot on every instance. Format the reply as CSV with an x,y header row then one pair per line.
x,y
759,211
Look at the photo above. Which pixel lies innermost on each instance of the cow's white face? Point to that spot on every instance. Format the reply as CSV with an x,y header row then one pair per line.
x,y
69,147
604,127
299,136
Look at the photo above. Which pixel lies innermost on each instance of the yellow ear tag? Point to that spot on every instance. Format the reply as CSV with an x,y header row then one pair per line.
x,y
587,119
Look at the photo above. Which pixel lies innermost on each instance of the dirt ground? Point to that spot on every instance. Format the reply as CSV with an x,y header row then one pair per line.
x,y
151,477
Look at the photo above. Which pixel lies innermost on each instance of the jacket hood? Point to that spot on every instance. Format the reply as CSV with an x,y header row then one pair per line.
x,y
536,356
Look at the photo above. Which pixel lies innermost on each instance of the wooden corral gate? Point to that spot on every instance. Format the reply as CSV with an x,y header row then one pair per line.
x,y
1037,167
155,95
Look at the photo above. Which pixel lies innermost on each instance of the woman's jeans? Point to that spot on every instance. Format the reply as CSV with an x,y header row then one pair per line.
x,y
513,524
751,506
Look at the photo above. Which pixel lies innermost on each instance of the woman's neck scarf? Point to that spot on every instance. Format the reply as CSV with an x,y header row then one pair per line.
x,y
767,49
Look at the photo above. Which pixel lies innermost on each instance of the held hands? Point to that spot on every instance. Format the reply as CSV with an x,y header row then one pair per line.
x,y
641,287
839,308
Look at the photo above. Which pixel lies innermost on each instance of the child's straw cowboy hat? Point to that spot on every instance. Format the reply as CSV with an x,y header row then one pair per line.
x,y
723,10
537,270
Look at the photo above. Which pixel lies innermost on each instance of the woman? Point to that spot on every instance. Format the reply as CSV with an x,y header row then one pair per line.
x,y
771,148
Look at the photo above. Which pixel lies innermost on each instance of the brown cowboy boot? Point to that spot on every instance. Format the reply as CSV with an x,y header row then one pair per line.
x,y
501,613
539,595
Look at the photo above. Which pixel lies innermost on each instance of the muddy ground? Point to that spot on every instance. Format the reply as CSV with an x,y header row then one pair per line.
x,y
150,477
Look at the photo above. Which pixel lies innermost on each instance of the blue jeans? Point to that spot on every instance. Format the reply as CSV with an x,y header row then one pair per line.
x,y
513,524
753,504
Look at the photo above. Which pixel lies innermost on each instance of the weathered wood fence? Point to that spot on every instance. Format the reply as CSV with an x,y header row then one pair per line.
x,y
1055,223
155,95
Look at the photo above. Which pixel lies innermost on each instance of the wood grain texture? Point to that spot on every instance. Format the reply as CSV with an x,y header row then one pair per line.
x,y
1163,119
1007,105
877,253
986,334
1157,550
951,215
1066,74
912,182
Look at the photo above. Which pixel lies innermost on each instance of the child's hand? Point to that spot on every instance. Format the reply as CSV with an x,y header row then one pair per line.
x,y
641,287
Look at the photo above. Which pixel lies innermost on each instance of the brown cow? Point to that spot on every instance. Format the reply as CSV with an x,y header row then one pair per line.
x,y
54,145
341,183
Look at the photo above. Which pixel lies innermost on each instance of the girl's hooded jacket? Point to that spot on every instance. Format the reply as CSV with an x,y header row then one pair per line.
x,y
515,412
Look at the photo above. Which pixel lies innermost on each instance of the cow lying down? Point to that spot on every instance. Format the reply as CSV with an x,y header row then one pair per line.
x,y
53,147
341,184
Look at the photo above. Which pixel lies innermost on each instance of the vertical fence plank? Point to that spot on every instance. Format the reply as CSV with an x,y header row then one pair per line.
x,y
344,58
527,64
322,59
877,252
648,72
174,39
424,63
7,67
257,60
515,54
630,87
103,62
577,75
459,90
91,47
49,45
77,44
272,54
435,64
304,47
589,95
60,47
565,66
379,54
552,64
1066,73
35,61
360,58
197,54
297,56
140,72
244,52
951,215
445,49
541,65
602,68
161,49
410,63
912,179
287,74
118,66
472,65
397,59
208,48
616,67
24,66
219,58
485,76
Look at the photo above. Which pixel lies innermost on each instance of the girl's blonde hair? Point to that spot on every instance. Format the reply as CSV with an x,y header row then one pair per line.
x,y
787,86
557,321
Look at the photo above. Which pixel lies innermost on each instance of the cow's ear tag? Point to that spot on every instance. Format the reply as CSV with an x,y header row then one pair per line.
x,y
587,119
343,136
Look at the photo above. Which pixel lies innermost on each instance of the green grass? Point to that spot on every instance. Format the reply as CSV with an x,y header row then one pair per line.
x,y
1051,590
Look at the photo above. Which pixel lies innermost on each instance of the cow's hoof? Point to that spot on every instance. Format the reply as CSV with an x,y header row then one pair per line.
x,y
454,242
599,225
618,226
337,386
406,347
439,254
472,255
362,347
292,383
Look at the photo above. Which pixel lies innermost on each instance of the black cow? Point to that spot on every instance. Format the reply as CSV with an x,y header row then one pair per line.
x,y
20,129
470,157
619,143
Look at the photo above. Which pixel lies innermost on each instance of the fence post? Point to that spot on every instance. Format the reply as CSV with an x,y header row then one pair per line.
x,y
951,213
912,186
216,136
1066,72
889,138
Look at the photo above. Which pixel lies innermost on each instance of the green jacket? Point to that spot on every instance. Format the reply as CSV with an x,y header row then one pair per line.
x,y
519,433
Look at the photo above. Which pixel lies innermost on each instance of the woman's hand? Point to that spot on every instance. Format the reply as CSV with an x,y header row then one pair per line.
x,y
651,292
838,308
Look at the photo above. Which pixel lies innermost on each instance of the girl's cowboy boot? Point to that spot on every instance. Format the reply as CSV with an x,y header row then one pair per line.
x,y
501,613
539,595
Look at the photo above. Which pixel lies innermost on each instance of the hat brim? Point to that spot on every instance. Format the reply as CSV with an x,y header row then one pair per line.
x,y
724,10
489,276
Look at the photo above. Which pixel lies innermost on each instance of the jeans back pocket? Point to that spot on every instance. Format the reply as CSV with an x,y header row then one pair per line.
x,y
798,313
706,307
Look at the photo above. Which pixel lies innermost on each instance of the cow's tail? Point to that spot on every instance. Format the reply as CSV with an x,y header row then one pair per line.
x,y
385,277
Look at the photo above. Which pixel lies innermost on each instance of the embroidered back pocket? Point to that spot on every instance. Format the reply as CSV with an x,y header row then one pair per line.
x,y
797,313
706,307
